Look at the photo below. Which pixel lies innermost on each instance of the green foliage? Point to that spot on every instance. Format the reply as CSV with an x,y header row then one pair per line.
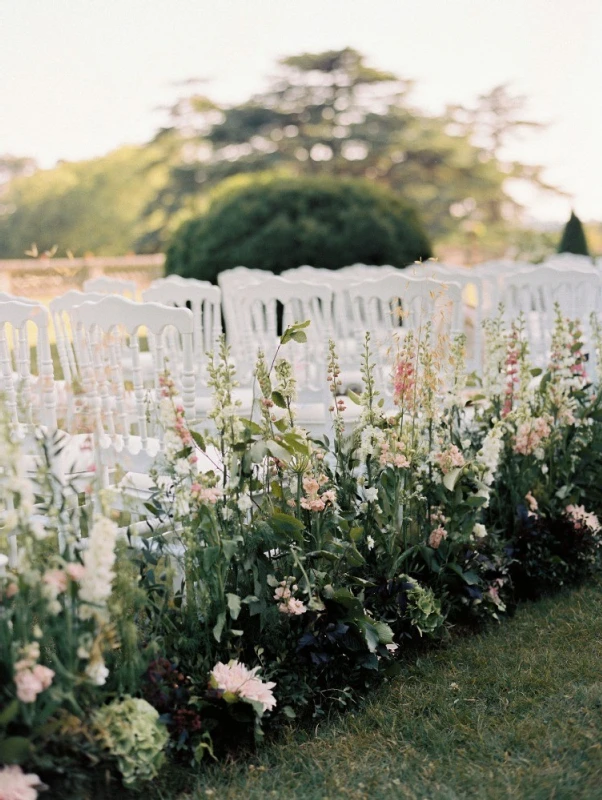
x,y
131,731
514,712
88,206
331,114
276,223
573,237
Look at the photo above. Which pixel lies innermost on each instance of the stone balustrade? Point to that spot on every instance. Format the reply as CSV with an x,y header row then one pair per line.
x,y
45,278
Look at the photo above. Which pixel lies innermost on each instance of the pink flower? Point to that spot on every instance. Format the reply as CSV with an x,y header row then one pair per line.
x,y
532,502
311,485
450,459
580,517
235,679
18,785
75,571
404,381
292,606
531,434
329,496
437,536
44,675
55,578
28,686
260,692
282,592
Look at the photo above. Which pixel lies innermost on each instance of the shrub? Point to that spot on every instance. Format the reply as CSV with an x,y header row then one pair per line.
x,y
276,223
573,237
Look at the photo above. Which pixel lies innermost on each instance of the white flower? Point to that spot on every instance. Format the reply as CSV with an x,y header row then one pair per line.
x,y
167,412
392,647
38,531
97,672
164,482
99,559
181,505
371,494
172,444
479,531
489,454
244,503
182,467
370,542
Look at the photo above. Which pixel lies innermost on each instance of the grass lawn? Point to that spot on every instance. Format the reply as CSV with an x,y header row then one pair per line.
x,y
514,712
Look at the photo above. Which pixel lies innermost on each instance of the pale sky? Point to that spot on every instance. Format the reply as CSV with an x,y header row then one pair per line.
x,y
80,77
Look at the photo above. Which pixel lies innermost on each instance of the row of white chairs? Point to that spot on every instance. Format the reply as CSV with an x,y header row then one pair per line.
x,y
110,387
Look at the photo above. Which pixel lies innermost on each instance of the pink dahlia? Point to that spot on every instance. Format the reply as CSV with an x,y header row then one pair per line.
x,y
17,785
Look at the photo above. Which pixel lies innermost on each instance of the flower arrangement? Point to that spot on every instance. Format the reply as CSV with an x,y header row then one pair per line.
x,y
290,571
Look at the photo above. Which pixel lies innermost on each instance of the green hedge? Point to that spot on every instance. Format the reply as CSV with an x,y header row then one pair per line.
x,y
277,223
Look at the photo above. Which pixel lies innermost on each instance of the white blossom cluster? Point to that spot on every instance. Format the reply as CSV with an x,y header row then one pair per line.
x,y
99,559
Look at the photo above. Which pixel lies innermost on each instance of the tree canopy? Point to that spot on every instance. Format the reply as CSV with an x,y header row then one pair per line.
x,y
88,206
321,114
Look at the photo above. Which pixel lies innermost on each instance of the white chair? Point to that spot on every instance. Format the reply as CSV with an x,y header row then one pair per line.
x,y
390,306
60,308
231,281
535,292
204,300
473,301
106,285
264,311
30,398
124,414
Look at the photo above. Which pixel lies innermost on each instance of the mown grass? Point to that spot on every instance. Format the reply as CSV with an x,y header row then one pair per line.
x,y
513,712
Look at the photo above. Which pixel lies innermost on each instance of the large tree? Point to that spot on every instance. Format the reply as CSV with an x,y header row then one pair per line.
x,y
331,113
87,206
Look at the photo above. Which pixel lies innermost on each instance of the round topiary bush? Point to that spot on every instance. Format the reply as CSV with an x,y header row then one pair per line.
x,y
276,223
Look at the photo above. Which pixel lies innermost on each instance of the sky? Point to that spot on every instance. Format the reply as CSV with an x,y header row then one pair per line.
x,y
81,77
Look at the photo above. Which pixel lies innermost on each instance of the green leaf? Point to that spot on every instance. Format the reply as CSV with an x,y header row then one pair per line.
x,y
278,399
287,526
233,605
385,634
469,577
219,626
370,634
258,451
8,714
450,480
210,557
15,750
277,451
288,712
299,336
252,426
354,557
198,439
355,398
475,501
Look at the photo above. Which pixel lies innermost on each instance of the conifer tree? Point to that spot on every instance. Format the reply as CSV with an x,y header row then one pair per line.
x,y
573,237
